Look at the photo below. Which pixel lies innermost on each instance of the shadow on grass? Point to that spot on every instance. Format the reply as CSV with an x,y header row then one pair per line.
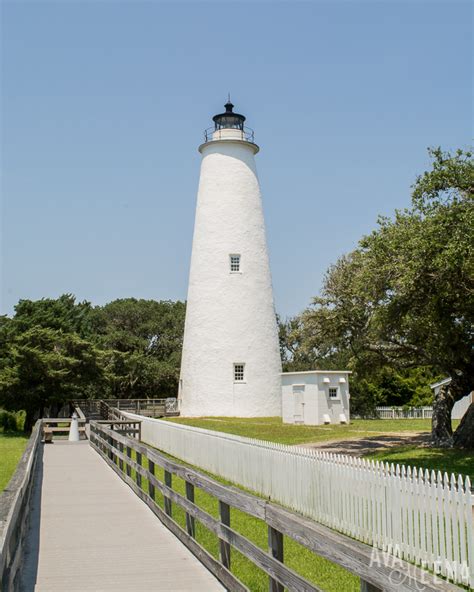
x,y
436,459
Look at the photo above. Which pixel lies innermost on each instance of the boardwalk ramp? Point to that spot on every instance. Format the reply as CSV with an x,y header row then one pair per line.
x,y
90,532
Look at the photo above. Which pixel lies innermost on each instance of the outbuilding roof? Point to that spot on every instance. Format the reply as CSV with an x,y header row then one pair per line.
x,y
441,382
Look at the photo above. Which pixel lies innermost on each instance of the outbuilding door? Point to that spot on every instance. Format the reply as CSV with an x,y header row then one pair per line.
x,y
298,401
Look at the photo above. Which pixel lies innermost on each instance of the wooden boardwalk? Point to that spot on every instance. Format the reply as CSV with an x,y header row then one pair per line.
x,y
90,532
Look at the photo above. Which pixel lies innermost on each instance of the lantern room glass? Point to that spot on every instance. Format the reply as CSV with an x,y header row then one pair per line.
x,y
229,119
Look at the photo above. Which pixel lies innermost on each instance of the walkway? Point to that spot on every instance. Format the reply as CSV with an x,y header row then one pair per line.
x,y
90,532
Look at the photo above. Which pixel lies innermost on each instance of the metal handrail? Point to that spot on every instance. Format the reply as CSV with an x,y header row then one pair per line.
x,y
247,133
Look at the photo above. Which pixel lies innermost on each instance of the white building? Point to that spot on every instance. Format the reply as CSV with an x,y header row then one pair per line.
x,y
231,359
315,397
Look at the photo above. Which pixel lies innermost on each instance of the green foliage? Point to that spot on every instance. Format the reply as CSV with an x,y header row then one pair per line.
x,y
63,314
8,421
404,299
53,351
47,368
145,341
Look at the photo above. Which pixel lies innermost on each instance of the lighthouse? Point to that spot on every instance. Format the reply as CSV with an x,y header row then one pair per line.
x,y
231,362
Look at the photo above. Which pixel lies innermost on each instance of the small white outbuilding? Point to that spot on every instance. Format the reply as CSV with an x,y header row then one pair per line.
x,y
315,397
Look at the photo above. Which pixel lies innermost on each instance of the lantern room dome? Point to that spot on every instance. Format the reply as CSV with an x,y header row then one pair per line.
x,y
229,119
229,126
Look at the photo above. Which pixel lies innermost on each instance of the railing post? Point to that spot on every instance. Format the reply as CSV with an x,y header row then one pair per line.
x,y
168,483
151,487
120,447
224,547
138,476
367,587
275,548
111,454
128,468
190,527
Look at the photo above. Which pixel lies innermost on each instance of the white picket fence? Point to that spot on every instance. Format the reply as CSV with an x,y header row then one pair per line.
x,y
459,409
404,413
423,517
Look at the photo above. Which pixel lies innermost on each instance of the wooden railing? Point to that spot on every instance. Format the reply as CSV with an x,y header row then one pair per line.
x,y
127,427
118,451
62,426
15,503
146,407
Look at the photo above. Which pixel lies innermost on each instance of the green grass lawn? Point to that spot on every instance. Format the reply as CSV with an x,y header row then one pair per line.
x,y
12,446
438,459
273,430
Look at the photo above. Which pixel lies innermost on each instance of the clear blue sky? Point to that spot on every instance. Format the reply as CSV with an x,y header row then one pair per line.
x,y
104,103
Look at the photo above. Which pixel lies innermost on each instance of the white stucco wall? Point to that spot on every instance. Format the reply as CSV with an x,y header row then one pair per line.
x,y
316,399
230,317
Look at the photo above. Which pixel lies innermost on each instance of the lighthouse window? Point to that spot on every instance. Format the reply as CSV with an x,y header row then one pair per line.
x,y
333,393
239,372
235,263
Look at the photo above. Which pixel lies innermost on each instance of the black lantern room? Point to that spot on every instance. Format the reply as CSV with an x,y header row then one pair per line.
x,y
229,119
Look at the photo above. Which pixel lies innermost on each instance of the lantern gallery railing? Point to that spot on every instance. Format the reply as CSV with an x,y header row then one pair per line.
x,y
211,134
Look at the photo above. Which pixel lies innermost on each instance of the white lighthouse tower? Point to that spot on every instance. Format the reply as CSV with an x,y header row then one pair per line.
x,y
231,359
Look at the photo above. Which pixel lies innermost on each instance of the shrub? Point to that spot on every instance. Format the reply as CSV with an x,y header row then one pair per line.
x,y
12,422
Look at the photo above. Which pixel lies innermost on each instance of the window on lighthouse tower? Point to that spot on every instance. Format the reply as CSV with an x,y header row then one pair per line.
x,y
239,372
234,263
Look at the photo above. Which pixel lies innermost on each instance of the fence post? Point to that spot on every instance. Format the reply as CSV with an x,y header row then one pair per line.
x,y
168,483
190,528
275,548
138,476
111,454
128,468
224,547
151,487
120,447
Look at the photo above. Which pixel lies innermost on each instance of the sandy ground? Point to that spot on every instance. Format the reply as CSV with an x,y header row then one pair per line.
x,y
363,446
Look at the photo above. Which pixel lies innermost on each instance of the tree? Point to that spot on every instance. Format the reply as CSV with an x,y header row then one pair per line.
x,y
144,338
55,350
46,368
405,296
62,313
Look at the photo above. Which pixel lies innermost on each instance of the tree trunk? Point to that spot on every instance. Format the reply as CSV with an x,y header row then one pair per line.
x,y
441,430
464,435
29,420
